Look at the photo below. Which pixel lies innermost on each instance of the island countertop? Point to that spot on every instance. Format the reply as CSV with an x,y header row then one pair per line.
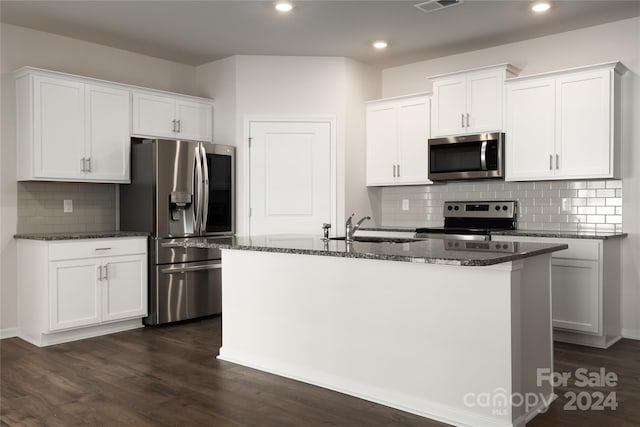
x,y
430,251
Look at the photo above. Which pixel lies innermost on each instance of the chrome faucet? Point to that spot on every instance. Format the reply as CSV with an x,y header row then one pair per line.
x,y
350,228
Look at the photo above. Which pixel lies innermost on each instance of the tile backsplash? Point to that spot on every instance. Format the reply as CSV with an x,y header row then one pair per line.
x,y
595,205
40,207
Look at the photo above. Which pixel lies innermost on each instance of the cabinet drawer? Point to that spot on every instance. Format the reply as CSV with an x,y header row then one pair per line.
x,y
88,248
578,248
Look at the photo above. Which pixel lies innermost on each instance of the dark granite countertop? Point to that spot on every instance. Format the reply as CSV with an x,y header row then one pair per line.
x,y
602,235
78,235
431,251
396,229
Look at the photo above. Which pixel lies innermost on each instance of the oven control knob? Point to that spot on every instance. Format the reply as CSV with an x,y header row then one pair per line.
x,y
504,208
497,207
449,207
457,208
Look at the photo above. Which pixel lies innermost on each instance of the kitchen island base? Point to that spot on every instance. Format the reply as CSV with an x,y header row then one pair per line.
x,y
464,345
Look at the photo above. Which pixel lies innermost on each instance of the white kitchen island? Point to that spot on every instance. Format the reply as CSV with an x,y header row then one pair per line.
x,y
456,334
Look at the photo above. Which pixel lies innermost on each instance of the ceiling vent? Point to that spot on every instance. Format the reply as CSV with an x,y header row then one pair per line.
x,y
436,5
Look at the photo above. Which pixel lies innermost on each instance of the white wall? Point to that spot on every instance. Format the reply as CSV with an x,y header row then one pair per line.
x,y
21,46
617,41
295,87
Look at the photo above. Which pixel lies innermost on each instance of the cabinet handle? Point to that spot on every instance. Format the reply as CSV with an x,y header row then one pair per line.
x,y
99,272
557,161
398,171
106,272
394,171
179,122
84,165
89,164
468,120
462,119
173,125
103,249
550,162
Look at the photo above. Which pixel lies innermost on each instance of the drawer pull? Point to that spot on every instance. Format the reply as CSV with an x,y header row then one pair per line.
x,y
103,249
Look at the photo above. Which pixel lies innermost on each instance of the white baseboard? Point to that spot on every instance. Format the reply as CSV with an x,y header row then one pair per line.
x,y
633,334
8,333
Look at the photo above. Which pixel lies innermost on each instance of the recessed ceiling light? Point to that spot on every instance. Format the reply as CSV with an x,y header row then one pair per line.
x,y
284,6
541,6
380,44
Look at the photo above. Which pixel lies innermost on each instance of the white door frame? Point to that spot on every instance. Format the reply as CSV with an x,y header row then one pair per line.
x,y
246,166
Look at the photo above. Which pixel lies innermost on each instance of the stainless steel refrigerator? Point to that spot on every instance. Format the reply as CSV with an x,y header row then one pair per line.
x,y
180,190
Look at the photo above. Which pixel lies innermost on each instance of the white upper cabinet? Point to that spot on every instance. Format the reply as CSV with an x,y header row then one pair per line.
x,y
71,130
530,129
397,134
469,102
562,125
166,116
108,142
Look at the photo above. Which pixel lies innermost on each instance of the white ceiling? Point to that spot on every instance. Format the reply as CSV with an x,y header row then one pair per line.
x,y
197,32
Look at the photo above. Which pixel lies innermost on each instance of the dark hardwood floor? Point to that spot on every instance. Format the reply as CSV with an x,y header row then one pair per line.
x,y
169,376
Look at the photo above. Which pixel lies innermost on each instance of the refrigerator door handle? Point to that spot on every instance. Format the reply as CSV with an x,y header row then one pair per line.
x,y
197,204
204,202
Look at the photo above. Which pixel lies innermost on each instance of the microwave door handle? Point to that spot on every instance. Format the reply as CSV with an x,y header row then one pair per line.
x,y
483,156
205,199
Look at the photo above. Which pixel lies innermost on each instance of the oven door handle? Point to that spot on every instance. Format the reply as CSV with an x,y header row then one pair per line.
x,y
483,156
214,266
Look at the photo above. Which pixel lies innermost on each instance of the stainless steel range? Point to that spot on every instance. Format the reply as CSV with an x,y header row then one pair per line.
x,y
471,220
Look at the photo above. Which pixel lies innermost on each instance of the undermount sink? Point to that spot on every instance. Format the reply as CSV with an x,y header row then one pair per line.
x,y
367,239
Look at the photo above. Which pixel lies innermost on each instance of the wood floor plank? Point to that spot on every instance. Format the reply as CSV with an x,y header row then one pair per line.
x,y
169,376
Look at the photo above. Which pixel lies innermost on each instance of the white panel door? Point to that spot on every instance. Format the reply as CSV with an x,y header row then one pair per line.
x,y
530,130
583,127
108,138
413,135
448,115
290,177
194,120
484,102
124,288
58,128
382,147
74,293
153,115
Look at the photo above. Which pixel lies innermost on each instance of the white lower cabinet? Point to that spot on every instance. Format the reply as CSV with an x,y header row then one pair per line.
x,y
585,289
70,290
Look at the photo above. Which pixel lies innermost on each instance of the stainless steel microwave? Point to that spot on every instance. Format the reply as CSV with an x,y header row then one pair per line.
x,y
467,157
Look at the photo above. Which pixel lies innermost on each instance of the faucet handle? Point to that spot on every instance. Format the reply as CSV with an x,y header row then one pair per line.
x,y
325,229
349,218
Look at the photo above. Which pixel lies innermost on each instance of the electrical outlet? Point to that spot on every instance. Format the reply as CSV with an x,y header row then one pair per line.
x,y
566,205
68,206
405,204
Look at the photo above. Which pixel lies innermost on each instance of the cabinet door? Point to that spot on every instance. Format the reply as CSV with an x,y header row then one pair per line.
x,y
530,130
124,288
576,295
194,120
107,127
484,102
59,138
382,145
153,115
584,125
448,114
413,133
74,294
